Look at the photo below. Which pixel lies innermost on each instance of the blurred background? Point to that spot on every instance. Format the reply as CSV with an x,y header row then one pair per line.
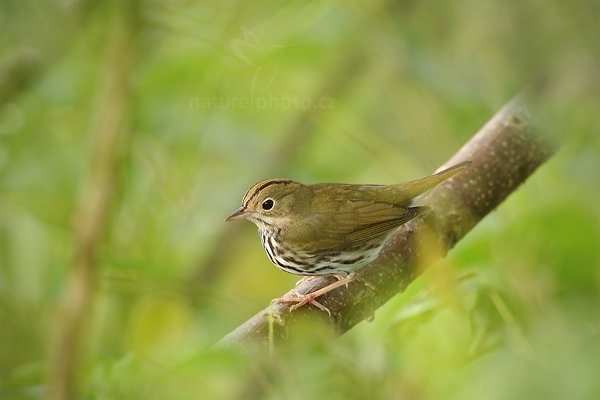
x,y
130,129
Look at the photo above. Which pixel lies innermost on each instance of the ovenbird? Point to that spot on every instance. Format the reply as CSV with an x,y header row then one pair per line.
x,y
330,228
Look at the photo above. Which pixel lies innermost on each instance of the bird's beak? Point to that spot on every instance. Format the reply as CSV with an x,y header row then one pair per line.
x,y
237,214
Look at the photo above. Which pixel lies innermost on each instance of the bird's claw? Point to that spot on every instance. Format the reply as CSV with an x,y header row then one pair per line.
x,y
302,299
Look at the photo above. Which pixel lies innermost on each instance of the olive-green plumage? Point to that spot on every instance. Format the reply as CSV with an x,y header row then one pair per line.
x,y
331,228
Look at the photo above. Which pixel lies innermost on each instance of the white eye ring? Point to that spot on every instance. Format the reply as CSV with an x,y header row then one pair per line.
x,y
268,204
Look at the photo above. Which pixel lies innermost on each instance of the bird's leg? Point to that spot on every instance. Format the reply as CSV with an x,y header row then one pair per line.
x,y
341,277
357,276
302,299
310,297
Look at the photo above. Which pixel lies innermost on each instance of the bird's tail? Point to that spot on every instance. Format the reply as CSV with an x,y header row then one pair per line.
x,y
412,189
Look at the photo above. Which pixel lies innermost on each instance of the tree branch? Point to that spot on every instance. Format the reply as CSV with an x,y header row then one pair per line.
x,y
505,152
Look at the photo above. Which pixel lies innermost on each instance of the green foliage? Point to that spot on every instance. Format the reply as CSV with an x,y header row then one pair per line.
x,y
221,94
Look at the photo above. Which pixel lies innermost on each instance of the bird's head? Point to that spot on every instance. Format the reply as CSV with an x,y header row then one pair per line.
x,y
269,203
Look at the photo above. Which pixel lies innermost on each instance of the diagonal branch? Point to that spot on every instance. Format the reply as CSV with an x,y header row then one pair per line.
x,y
505,152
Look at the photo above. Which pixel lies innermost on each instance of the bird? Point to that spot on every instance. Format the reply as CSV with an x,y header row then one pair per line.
x,y
333,229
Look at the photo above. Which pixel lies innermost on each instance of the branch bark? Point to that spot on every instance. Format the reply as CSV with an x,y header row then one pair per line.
x,y
505,152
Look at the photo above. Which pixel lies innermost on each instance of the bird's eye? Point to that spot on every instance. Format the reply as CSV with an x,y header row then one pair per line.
x,y
267,204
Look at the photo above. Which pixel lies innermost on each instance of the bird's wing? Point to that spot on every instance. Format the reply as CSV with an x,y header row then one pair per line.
x,y
372,219
361,221
347,218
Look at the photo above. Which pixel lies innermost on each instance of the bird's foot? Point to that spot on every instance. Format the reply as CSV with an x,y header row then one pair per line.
x,y
342,277
302,299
